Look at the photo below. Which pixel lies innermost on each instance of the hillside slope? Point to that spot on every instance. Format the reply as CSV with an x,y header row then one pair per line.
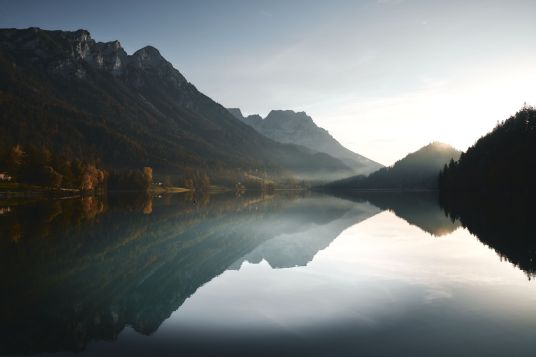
x,y
418,170
501,161
86,99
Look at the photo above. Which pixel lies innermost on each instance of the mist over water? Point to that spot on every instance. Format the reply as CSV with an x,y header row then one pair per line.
x,y
373,274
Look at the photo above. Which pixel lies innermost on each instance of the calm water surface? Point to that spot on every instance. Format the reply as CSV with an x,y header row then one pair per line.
x,y
373,275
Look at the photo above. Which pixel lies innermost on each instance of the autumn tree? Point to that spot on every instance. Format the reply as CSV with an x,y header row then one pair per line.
x,y
148,173
15,159
92,178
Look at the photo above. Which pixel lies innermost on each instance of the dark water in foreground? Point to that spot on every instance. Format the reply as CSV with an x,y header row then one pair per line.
x,y
373,275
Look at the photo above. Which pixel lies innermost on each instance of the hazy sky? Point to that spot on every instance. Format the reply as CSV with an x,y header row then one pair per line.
x,y
385,77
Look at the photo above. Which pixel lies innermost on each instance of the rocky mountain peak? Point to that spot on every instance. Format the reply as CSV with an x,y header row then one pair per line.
x,y
81,44
291,121
253,120
148,60
74,53
236,112
82,35
109,56
148,57
290,116
290,127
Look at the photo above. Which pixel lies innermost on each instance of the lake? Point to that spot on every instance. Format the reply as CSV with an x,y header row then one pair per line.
x,y
375,274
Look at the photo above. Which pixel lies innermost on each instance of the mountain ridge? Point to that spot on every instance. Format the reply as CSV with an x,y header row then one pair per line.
x,y
288,126
80,98
417,170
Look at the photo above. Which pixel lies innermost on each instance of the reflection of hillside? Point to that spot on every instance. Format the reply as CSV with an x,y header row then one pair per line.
x,y
46,218
86,277
505,224
420,209
299,248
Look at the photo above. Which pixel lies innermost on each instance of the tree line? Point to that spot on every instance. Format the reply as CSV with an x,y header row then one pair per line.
x,y
32,165
501,161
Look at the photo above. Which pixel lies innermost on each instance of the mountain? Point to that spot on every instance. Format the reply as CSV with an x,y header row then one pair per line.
x,y
287,126
91,100
418,170
501,161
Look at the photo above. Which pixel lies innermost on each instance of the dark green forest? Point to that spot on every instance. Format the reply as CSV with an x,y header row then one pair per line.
x,y
501,161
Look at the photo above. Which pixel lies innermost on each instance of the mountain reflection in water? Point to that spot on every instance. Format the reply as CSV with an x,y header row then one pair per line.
x,y
78,271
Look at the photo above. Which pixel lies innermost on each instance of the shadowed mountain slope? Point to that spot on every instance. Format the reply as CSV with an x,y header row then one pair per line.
x,y
418,170
86,99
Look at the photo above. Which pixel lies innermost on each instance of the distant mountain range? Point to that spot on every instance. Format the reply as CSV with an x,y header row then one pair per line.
x,y
418,170
91,100
287,126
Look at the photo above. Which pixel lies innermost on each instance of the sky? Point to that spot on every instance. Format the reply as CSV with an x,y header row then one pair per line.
x,y
384,77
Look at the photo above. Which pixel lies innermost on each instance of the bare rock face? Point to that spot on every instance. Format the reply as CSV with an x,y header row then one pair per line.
x,y
109,56
75,53
67,52
149,60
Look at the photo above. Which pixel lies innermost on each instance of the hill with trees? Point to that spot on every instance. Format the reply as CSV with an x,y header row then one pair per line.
x,y
501,161
418,170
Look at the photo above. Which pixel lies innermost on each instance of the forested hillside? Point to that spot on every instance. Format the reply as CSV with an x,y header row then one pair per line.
x,y
503,160
64,93
418,170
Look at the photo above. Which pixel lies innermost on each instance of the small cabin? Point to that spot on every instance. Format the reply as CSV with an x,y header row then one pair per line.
x,y
4,176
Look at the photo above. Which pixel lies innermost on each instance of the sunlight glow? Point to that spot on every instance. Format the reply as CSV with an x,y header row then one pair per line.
x,y
457,113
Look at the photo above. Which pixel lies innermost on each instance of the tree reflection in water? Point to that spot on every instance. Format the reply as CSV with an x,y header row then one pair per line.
x,y
78,270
